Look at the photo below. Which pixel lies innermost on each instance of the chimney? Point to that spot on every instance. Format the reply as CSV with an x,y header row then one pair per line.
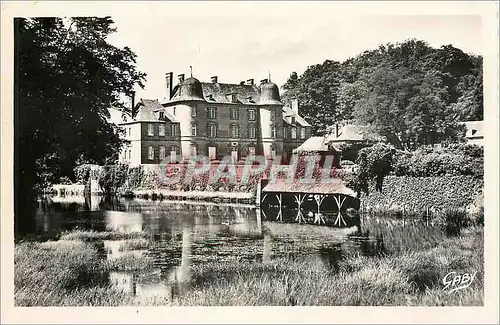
x,y
263,81
295,106
132,97
214,79
181,77
242,83
168,78
250,82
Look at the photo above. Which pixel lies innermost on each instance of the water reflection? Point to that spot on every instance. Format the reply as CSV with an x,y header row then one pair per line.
x,y
180,236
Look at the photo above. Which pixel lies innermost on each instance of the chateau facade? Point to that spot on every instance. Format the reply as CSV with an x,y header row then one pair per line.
x,y
212,119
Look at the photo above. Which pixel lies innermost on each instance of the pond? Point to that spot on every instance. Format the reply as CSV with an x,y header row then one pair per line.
x,y
176,236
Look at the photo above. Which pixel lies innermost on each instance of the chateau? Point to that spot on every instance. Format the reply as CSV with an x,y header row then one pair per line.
x,y
212,119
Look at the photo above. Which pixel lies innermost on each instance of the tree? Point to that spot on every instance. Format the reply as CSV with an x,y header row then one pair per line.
x,y
317,93
391,81
67,76
374,163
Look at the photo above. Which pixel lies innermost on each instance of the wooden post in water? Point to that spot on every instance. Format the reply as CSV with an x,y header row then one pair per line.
x,y
280,214
258,194
427,217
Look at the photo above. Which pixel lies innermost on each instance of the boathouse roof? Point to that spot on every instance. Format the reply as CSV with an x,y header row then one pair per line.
x,y
332,186
313,144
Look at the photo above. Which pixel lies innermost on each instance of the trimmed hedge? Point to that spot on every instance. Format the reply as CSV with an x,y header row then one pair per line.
x,y
419,193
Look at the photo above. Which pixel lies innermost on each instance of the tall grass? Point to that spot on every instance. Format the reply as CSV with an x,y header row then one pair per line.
x,y
403,279
75,273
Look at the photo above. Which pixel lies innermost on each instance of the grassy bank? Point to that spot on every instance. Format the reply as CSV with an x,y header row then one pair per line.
x,y
72,272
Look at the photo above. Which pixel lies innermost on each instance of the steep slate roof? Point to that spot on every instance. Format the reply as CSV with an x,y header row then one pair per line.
x,y
219,92
146,111
334,186
288,113
155,106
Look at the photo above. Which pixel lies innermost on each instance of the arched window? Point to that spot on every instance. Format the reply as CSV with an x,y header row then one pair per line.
x,y
235,131
251,131
273,131
212,130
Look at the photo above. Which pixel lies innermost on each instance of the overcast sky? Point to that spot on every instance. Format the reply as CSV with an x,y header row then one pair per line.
x,y
238,44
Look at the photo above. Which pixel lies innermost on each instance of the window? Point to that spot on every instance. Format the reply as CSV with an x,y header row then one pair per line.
x,y
294,132
162,115
151,131
251,115
173,130
251,151
251,131
234,114
212,153
194,150
129,131
212,130
162,152
173,154
161,130
212,113
273,131
174,110
285,132
151,153
235,131
193,111
302,133
194,130
273,115
130,154
234,155
293,119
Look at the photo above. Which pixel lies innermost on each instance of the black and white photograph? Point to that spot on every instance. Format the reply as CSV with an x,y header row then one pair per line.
x,y
251,154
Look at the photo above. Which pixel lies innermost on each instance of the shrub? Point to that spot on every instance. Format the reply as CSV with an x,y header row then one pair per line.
x,y
419,193
374,164
455,221
457,159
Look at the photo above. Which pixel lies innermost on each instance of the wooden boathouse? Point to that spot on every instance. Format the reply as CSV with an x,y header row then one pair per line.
x,y
309,198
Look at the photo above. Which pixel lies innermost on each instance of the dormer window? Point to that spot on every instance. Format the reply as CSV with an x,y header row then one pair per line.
x,y
210,97
162,115
293,119
249,99
232,98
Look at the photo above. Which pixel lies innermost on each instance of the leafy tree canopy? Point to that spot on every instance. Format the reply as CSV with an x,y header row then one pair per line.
x,y
409,92
67,76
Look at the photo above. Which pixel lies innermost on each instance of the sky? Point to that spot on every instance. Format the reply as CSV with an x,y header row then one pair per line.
x,y
252,42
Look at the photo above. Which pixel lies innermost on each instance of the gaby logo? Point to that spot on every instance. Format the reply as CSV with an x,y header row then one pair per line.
x,y
454,281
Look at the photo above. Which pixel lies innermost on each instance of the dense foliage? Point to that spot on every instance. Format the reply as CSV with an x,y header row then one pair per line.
x,y
410,93
67,76
380,160
419,193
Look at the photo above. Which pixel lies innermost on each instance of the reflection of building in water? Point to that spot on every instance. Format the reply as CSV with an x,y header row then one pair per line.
x,y
112,248
182,273
93,202
124,222
268,246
